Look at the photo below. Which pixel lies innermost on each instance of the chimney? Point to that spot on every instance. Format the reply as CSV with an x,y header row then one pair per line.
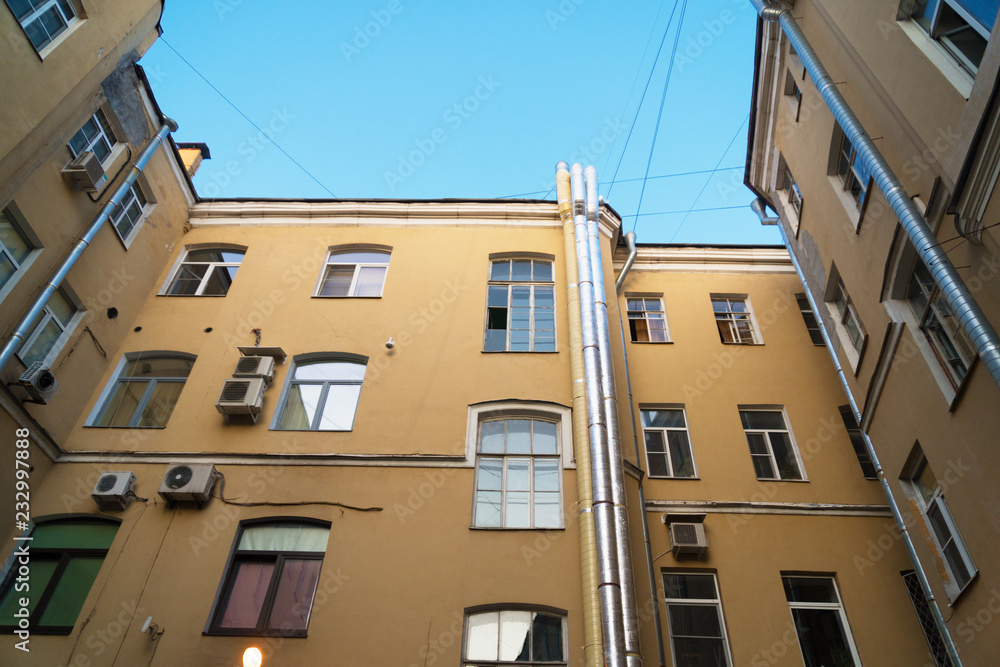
x,y
192,154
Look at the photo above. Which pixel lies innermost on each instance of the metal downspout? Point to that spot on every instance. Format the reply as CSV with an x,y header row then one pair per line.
x,y
623,542
974,322
609,587
758,207
593,646
28,321
660,650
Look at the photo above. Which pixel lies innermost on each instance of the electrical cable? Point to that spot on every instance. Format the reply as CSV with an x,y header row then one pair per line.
x,y
222,497
659,115
709,179
632,180
247,118
666,31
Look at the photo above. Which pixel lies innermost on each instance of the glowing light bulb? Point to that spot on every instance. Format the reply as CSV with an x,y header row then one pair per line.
x,y
252,657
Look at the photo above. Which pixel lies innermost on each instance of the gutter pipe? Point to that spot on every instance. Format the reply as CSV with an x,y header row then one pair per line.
x,y
593,645
978,328
758,207
34,312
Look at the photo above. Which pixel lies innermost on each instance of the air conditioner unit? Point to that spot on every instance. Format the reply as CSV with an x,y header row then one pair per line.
x,y
688,539
39,381
85,172
255,367
188,482
241,396
114,490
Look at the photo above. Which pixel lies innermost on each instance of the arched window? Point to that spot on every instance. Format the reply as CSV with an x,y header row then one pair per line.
x,y
515,635
271,578
64,557
145,391
322,393
355,272
206,271
520,306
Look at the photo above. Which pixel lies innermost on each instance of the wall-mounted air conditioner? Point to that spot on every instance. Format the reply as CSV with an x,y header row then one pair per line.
x,y
188,482
114,490
39,381
85,172
241,396
687,534
255,367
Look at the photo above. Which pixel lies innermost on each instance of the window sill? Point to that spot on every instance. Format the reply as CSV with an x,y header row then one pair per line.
x,y
505,528
520,351
778,479
127,241
334,296
47,50
196,296
960,80
311,430
134,428
648,476
953,600
850,204
652,342
298,634
744,344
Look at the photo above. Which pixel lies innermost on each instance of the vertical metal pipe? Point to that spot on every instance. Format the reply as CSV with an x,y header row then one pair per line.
x,y
35,310
953,289
593,652
758,207
609,588
616,470
657,628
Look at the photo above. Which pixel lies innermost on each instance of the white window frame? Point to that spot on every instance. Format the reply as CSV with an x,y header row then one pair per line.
x,y
20,227
837,606
664,430
729,316
127,200
715,603
290,381
500,609
69,22
105,132
183,261
102,401
927,499
644,315
933,30
854,349
330,261
66,329
532,285
767,439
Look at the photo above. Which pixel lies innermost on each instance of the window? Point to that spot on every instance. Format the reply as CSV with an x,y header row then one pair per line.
x,y
940,325
962,27
668,446
206,272
858,442
322,393
812,324
145,391
96,136
771,446
791,191
18,247
735,320
129,212
354,273
820,622
935,642
842,308
794,94
65,558
924,487
527,637
271,579
520,307
646,320
518,480
59,317
694,616
43,20
852,171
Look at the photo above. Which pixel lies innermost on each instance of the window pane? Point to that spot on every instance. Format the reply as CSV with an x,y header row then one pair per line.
x,y
21,8
658,464
7,269
483,638
293,600
121,404
546,632
488,508
694,620
518,474
214,255
341,404
221,280
689,586
163,367
663,418
546,474
496,341
544,437
40,572
518,510
500,270
520,270
547,510
73,534
514,637
161,404
188,279
809,589
246,597
43,343
284,537
491,437
11,239
370,280
822,638
763,467
518,436
762,419
543,271
784,456
361,257
300,406
71,591
490,474
329,370
497,298
654,442
640,330
700,652
337,281
680,454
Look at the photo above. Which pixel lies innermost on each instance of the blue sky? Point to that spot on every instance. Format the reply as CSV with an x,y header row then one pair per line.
x,y
412,99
